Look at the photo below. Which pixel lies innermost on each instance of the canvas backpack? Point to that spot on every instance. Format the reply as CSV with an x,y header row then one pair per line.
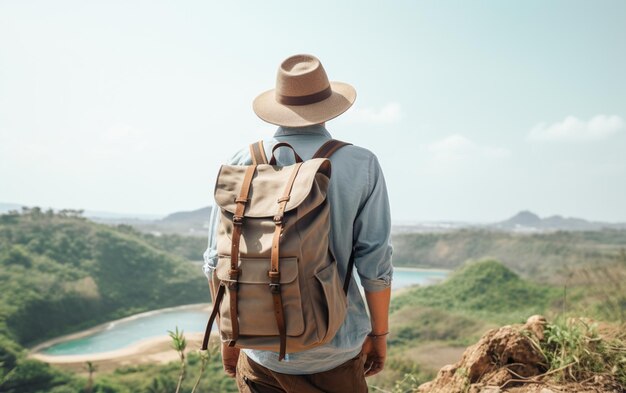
x,y
276,285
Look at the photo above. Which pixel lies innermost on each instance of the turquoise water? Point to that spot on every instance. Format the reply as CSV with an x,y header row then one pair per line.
x,y
403,277
120,334
123,333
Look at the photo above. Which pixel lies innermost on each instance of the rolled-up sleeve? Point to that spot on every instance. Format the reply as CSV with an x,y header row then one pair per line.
x,y
210,255
372,234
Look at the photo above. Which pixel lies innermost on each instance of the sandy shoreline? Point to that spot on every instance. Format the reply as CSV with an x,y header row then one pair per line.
x,y
151,350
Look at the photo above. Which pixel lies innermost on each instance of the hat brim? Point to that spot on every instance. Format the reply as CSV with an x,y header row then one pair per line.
x,y
271,111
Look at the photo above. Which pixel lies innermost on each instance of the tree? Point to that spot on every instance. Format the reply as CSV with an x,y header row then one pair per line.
x,y
91,368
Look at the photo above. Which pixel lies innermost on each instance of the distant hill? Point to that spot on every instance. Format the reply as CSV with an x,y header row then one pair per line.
x,y
527,221
199,215
187,223
195,222
487,287
542,256
98,214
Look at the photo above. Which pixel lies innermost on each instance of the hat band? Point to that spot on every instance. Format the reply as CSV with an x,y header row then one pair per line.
x,y
305,100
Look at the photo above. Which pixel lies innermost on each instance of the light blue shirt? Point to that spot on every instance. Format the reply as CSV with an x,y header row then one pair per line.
x,y
360,216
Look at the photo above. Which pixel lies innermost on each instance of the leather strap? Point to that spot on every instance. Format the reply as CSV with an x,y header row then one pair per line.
x,y
283,144
274,273
329,147
238,216
216,306
233,274
280,320
278,218
257,152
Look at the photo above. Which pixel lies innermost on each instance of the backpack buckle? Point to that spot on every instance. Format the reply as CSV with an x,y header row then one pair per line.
x,y
237,220
233,274
274,281
275,288
278,220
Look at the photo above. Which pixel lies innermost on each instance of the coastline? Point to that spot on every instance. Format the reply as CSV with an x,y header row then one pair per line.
x,y
107,325
421,269
148,351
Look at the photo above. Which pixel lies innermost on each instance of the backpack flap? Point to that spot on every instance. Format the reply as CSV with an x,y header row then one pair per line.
x,y
311,185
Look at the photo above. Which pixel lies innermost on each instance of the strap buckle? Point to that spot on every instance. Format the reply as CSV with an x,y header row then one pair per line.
x,y
274,281
232,285
233,274
278,220
237,220
275,288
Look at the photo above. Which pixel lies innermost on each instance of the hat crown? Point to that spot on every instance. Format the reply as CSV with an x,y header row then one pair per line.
x,y
300,75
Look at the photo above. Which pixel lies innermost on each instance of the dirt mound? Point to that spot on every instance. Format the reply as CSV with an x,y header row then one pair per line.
x,y
508,359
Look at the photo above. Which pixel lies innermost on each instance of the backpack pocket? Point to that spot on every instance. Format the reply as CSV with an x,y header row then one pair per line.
x,y
330,303
255,307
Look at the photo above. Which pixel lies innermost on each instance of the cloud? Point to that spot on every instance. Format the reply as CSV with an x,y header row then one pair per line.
x,y
572,129
457,147
389,113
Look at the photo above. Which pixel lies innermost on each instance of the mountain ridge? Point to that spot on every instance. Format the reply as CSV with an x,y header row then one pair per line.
x,y
195,222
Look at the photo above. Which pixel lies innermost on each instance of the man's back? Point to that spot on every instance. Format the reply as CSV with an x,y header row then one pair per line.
x,y
359,218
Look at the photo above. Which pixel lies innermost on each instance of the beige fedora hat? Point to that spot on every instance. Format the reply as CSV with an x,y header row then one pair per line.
x,y
303,95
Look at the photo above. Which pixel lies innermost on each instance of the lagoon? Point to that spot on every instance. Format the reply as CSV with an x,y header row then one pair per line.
x,y
190,318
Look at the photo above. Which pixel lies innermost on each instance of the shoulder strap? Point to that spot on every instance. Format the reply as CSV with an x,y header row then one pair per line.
x,y
328,148
257,152
325,151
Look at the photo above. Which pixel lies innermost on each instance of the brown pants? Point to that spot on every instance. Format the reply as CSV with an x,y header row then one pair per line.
x,y
345,378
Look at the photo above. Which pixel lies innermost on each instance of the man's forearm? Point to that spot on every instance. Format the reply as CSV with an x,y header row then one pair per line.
x,y
378,304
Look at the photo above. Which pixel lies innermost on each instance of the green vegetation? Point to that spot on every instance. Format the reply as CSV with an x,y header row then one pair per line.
x,y
486,290
61,273
540,256
164,378
575,351
189,247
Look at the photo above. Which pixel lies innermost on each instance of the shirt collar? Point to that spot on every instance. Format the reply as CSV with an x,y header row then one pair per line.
x,y
316,129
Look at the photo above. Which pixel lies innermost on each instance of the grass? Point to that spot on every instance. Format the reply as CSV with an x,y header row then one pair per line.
x,y
575,351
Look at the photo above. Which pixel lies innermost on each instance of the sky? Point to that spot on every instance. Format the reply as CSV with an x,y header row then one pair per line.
x,y
475,110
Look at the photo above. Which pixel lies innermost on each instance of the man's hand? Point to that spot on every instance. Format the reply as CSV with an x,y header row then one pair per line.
x,y
230,355
375,348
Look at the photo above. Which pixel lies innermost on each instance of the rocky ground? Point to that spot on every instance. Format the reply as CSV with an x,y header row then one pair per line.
x,y
508,359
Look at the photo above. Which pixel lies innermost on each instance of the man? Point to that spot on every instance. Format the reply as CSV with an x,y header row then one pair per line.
x,y
300,105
